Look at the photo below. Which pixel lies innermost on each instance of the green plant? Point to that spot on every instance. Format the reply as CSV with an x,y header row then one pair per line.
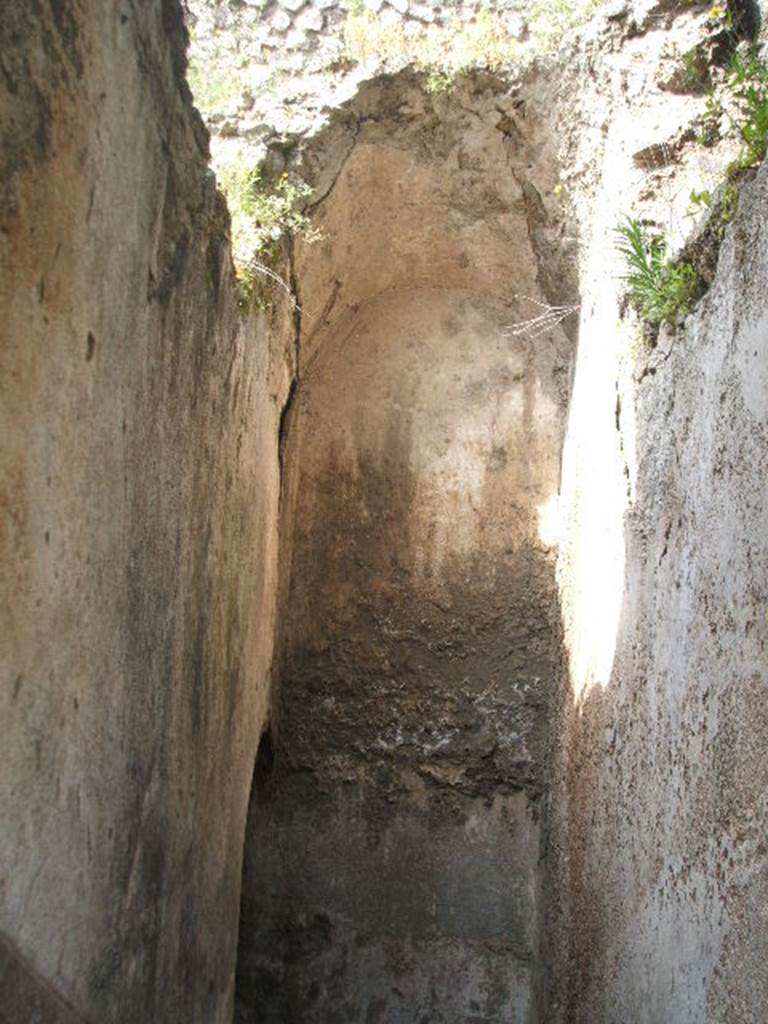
x,y
703,198
722,206
720,17
749,83
695,71
262,215
437,82
729,201
659,288
255,285
709,121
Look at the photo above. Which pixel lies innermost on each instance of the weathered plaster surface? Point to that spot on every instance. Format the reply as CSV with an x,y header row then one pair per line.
x,y
421,658
657,812
138,489
393,867
665,765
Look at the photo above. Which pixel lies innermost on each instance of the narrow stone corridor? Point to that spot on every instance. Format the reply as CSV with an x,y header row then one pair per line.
x,y
382,613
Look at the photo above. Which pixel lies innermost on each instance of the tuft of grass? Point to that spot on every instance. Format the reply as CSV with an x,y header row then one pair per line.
x,y
709,123
744,106
746,98
659,289
695,71
703,198
443,52
729,202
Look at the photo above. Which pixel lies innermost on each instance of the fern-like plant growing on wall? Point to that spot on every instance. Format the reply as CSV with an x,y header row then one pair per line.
x,y
659,288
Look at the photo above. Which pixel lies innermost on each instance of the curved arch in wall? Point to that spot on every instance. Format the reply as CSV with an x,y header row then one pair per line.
x,y
395,876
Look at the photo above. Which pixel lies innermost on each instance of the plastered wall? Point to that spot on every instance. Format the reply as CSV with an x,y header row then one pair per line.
x,y
138,494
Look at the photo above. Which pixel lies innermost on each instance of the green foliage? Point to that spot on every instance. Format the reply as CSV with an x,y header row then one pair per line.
x,y
749,83
709,133
746,109
703,198
722,206
659,289
251,288
438,83
747,98
720,17
694,71
694,75
729,201
262,216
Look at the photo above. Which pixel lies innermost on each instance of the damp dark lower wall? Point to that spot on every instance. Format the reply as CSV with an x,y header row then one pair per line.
x,y
360,907
393,859
138,494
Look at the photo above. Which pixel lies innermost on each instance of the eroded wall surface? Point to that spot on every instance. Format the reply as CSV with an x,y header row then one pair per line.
x,y
658,805
393,874
665,763
393,862
138,491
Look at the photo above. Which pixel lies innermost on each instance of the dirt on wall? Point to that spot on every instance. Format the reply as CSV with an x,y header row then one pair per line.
x,y
663,775
654,871
415,687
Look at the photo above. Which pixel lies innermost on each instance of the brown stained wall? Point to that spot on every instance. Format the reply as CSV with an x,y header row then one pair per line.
x,y
392,869
138,492
658,808
425,443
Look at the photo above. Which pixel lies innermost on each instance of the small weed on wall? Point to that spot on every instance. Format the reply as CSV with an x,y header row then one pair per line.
x,y
263,215
662,289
